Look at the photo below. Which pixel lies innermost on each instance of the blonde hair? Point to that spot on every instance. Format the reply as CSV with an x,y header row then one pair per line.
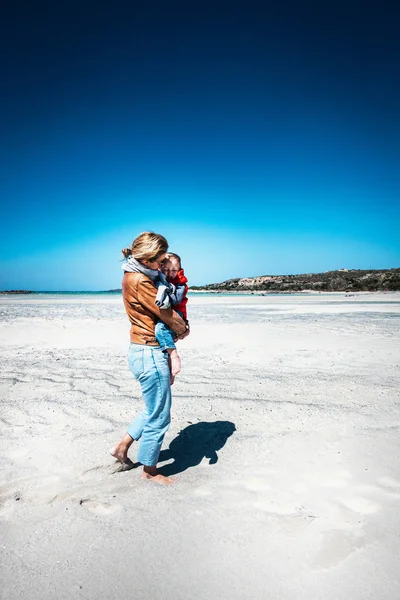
x,y
147,246
171,255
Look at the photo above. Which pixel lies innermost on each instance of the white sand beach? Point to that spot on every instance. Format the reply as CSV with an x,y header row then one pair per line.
x,y
284,443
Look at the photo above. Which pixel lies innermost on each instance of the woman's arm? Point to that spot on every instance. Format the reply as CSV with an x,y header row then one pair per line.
x,y
147,293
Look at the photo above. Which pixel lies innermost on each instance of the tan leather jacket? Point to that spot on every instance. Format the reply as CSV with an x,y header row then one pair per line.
x,y
139,294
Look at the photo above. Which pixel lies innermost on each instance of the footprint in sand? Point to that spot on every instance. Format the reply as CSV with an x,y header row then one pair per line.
x,y
256,484
96,473
18,453
101,509
6,509
360,505
277,507
336,547
101,471
201,492
390,483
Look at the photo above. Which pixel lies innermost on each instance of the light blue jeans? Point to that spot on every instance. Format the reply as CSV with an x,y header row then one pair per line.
x,y
149,365
164,335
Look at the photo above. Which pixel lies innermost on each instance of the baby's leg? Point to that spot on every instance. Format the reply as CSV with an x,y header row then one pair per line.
x,y
165,338
174,361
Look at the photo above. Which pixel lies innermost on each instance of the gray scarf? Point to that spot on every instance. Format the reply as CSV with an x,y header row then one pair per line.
x,y
164,289
131,265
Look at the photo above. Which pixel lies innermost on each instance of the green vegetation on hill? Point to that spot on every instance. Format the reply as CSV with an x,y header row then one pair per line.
x,y
343,280
16,292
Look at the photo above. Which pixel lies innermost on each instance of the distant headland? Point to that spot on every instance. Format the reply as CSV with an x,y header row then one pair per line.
x,y
343,280
17,292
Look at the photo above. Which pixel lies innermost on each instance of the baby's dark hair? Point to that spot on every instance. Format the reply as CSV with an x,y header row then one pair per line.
x,y
170,255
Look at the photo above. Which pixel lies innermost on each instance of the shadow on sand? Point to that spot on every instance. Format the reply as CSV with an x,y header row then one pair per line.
x,y
194,443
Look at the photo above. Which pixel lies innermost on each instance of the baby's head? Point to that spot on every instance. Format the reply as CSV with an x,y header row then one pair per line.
x,y
171,265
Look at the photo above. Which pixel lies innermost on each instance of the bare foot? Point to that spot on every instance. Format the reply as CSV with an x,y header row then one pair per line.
x,y
152,474
122,457
120,452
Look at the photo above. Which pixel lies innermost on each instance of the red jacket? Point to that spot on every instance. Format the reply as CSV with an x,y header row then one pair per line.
x,y
181,279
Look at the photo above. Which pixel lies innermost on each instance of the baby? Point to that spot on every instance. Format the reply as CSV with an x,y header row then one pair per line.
x,y
177,294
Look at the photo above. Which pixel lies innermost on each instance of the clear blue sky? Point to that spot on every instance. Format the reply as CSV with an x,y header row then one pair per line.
x,y
259,139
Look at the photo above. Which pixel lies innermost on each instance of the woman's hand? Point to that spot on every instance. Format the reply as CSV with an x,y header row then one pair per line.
x,y
185,334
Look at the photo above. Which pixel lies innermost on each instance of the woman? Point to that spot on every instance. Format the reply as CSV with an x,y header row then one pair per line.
x,y
148,363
